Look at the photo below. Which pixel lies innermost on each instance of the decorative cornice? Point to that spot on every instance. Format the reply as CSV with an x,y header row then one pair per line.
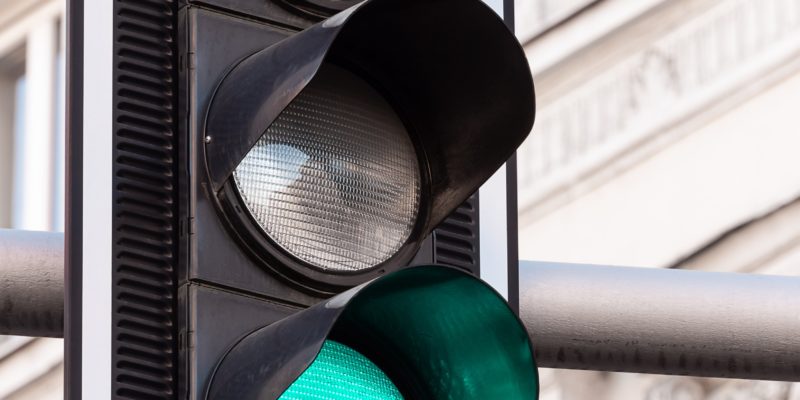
x,y
701,62
538,16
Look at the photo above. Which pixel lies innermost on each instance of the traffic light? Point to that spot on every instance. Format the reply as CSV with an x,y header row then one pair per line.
x,y
406,335
285,172
319,159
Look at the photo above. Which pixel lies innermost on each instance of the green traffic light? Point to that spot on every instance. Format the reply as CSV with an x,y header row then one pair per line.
x,y
426,332
341,373
435,332
442,334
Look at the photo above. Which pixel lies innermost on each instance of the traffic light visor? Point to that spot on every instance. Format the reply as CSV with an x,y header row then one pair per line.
x,y
451,70
335,187
433,332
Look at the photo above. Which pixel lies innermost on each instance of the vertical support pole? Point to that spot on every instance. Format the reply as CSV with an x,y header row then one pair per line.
x,y
498,211
494,232
493,215
511,200
73,220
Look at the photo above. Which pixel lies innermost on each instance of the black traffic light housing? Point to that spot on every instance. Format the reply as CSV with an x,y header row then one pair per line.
x,y
411,324
450,68
187,281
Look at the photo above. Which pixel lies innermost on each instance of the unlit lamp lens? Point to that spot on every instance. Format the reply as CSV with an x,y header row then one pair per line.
x,y
335,180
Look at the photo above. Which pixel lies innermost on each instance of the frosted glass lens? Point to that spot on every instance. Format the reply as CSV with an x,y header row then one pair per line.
x,y
341,373
334,180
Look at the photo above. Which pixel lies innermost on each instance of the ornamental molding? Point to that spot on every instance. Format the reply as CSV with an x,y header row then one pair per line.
x,y
678,77
541,15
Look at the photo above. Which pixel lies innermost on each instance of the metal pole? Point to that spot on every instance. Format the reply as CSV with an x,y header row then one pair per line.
x,y
662,321
31,283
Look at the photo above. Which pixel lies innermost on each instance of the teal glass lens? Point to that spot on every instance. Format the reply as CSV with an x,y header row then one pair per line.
x,y
341,373
454,335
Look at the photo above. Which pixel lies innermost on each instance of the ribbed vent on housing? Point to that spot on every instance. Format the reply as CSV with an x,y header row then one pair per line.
x,y
455,241
144,192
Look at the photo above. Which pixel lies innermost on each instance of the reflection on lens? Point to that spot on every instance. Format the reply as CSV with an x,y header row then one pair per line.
x,y
334,180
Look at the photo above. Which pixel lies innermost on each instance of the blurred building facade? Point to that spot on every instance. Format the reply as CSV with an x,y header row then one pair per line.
x,y
31,167
666,136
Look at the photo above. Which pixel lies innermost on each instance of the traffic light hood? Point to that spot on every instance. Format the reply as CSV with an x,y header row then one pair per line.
x,y
452,70
434,332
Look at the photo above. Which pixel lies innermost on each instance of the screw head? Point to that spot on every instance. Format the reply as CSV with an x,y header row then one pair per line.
x,y
208,139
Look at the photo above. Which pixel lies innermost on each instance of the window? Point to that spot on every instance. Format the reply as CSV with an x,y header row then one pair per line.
x,y
31,122
12,85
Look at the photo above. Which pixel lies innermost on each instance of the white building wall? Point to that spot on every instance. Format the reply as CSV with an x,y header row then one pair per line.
x,y
31,172
666,136
676,200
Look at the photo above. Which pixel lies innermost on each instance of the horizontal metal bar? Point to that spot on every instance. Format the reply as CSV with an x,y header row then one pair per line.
x,y
578,316
662,321
31,283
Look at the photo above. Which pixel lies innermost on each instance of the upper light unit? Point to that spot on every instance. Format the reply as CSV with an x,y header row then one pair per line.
x,y
334,152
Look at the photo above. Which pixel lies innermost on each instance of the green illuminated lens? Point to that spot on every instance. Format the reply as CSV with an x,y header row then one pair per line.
x,y
341,373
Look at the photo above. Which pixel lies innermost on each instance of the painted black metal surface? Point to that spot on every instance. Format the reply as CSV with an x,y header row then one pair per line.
x,y
225,292
211,250
456,241
273,12
419,64
144,331
319,8
73,237
469,120
266,362
219,269
511,199
212,327
258,87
